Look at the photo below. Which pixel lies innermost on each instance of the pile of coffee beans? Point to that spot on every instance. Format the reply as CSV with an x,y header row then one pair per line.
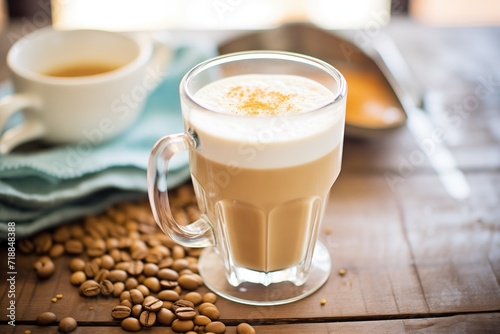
x,y
122,254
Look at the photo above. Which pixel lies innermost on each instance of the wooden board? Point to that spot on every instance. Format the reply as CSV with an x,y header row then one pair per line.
x,y
485,323
399,262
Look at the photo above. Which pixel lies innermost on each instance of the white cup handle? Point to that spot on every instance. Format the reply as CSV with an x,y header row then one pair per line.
x,y
159,62
29,130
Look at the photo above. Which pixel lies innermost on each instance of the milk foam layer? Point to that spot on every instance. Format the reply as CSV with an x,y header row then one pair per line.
x,y
265,121
264,95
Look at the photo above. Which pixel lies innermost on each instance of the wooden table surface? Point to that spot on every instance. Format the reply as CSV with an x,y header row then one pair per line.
x,y
416,259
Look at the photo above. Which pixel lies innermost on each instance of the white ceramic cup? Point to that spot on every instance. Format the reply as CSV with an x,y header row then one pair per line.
x,y
72,109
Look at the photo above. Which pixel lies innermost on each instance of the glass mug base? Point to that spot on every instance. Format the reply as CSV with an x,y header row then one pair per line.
x,y
211,268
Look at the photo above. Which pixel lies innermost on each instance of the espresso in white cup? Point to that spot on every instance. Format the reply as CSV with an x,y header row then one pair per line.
x,y
78,85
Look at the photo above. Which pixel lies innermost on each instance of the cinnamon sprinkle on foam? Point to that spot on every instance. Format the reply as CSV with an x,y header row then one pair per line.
x,y
262,101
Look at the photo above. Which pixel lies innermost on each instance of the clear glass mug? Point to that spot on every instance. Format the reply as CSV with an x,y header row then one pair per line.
x,y
261,182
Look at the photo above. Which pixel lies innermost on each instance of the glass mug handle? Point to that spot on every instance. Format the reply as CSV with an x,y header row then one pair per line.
x,y
196,234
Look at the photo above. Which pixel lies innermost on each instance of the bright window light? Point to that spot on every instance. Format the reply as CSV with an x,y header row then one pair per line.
x,y
140,15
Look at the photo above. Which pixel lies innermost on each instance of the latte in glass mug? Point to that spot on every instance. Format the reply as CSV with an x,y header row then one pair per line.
x,y
264,132
267,208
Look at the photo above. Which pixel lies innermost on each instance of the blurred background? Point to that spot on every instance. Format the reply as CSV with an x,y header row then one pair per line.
x,y
161,15
243,14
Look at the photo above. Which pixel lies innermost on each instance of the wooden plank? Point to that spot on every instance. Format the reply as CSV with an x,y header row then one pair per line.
x,y
453,260
455,244
367,240
484,323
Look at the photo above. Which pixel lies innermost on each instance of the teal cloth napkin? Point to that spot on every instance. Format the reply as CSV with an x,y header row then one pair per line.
x,y
53,185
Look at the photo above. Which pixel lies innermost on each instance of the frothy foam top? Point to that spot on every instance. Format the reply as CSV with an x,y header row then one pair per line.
x,y
264,95
276,129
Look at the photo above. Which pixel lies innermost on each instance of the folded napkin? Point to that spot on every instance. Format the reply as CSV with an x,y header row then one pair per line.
x,y
53,185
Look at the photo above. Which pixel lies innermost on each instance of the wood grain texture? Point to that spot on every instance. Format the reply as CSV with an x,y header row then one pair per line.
x,y
486,323
416,260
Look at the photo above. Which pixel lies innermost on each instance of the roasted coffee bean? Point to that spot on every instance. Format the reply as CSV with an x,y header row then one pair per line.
x,y
116,254
77,278
203,305
111,245
76,264
185,313
96,248
26,246
201,320
91,269
127,303
136,296
122,265
167,304
198,278
209,297
44,267
152,283
180,264
245,328
87,240
46,318
107,288
169,295
216,327
154,256
165,316
117,275
73,247
152,304
188,282
125,295
144,289
124,242
101,275
136,311
120,312
178,252
131,324
131,283
135,268
147,318
182,303
141,278
98,230
211,311
182,325
167,274
193,297
131,225
118,288
168,284
150,269
61,234
76,231
90,288
56,251
67,325
165,263
139,253
186,271
42,242
107,262
194,267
